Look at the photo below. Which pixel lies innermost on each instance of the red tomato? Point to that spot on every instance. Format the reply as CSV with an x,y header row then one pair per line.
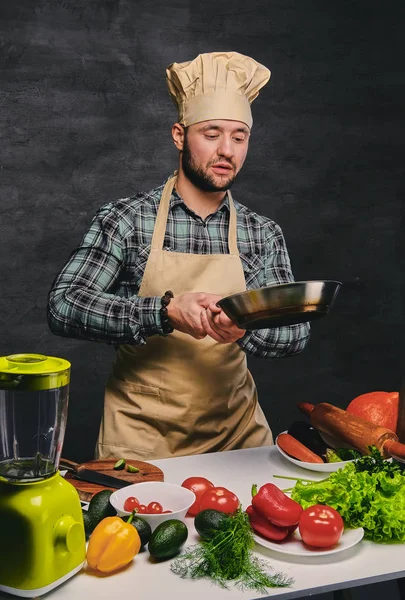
x,y
155,507
164,512
142,509
321,526
219,498
198,485
131,503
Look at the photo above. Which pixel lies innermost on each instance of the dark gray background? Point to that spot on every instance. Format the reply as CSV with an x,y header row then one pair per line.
x,y
85,118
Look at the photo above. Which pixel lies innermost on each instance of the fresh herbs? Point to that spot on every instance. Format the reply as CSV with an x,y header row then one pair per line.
x,y
375,463
228,557
368,493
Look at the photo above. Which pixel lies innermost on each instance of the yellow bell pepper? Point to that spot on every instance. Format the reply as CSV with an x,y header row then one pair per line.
x,y
113,544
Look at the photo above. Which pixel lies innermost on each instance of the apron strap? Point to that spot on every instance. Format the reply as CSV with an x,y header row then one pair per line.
x,y
163,211
232,232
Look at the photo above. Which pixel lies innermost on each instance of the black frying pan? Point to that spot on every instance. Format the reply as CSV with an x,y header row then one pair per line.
x,y
281,304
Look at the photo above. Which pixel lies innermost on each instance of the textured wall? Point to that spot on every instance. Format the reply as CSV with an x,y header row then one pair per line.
x,y
85,118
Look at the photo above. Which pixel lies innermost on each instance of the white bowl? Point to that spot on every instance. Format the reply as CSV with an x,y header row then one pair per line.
x,y
322,467
171,496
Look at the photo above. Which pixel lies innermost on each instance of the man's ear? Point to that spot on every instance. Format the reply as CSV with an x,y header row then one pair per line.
x,y
178,136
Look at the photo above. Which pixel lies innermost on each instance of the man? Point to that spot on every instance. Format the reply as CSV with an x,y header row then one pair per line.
x,y
150,270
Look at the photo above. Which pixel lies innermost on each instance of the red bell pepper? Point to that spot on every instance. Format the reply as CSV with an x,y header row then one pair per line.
x,y
263,527
271,503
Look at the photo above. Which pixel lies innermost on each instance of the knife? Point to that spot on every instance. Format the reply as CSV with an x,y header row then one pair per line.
x,y
93,476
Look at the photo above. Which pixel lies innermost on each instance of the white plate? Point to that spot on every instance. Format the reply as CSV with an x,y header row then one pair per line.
x,y
296,547
323,467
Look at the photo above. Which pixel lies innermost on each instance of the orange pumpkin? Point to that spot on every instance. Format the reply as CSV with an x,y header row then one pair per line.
x,y
380,408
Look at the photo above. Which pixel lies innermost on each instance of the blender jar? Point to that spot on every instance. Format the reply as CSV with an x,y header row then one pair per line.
x,y
34,395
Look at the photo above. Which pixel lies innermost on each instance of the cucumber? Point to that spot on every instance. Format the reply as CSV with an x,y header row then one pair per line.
x,y
208,522
168,538
142,527
310,437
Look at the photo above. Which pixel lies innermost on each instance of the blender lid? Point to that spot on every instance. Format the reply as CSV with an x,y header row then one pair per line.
x,y
33,372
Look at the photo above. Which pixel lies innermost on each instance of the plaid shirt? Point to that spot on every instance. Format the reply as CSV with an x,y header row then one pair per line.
x,y
95,295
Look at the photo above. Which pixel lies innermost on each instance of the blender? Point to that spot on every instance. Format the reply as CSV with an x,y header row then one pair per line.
x,y
42,537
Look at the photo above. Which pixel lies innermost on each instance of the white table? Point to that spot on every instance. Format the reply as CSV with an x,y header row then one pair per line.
x,y
237,470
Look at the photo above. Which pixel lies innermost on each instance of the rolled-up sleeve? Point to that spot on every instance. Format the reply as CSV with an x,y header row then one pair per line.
x,y
81,303
284,341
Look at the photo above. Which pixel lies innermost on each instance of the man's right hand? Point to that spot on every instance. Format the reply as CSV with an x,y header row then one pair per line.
x,y
184,312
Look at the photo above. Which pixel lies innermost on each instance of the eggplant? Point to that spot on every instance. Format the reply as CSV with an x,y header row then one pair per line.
x,y
310,437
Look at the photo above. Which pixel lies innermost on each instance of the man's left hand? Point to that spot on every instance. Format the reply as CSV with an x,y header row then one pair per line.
x,y
219,326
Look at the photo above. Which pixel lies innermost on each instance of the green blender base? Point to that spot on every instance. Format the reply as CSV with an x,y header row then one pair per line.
x,y
42,532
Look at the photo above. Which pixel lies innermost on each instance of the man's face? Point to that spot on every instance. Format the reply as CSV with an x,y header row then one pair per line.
x,y
213,153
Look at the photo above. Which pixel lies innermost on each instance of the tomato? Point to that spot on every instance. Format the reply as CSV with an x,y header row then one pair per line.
x,y
131,503
320,526
198,485
219,498
142,509
155,507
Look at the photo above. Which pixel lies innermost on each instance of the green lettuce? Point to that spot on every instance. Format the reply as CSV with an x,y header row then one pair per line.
x,y
371,498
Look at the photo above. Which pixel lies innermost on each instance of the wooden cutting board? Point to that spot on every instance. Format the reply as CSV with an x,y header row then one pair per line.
x,y
86,490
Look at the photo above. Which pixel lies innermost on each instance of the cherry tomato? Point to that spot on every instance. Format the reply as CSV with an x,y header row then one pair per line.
x,y
219,498
142,509
321,526
164,512
155,507
131,503
198,485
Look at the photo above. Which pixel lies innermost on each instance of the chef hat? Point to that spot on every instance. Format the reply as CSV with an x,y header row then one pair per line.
x,y
217,85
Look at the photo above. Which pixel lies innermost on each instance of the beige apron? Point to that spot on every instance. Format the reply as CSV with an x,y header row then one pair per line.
x,y
176,395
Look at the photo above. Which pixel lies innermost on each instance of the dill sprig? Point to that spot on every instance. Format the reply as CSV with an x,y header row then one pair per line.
x,y
228,556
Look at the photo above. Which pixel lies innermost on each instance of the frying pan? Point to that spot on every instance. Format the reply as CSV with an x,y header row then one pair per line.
x,y
281,304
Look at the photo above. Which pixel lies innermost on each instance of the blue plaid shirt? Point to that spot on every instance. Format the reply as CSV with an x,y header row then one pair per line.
x,y
94,297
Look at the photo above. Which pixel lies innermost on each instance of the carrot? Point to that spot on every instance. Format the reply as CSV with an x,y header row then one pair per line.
x,y
294,448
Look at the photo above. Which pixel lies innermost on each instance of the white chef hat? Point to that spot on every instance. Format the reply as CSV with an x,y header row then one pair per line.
x,y
216,85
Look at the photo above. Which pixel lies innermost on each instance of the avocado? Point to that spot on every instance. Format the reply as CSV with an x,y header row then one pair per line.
x,y
100,505
142,527
88,524
208,522
168,538
99,508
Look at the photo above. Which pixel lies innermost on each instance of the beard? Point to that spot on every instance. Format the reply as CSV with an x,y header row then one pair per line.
x,y
199,176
